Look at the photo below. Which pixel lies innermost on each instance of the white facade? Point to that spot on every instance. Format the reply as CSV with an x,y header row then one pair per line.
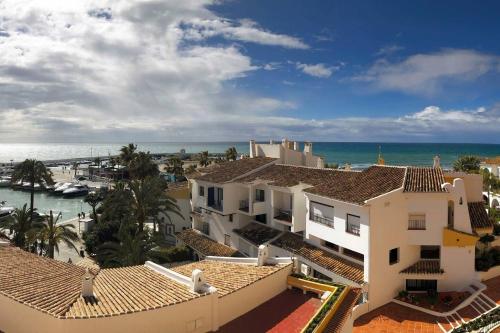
x,y
288,153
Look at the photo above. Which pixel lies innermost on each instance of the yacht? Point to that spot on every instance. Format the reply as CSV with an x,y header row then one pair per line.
x,y
76,190
60,189
5,181
5,211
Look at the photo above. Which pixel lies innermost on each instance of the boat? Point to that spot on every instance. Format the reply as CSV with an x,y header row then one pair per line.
x,y
60,189
76,191
5,181
5,211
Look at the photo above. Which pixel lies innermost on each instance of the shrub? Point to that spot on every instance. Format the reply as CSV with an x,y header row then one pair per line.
x,y
170,254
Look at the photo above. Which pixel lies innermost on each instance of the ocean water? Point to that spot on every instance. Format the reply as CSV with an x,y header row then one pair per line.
x,y
357,154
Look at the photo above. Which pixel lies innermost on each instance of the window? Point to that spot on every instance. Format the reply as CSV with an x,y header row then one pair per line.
x,y
429,252
230,217
421,285
394,256
262,218
353,224
331,246
416,222
170,229
260,195
201,191
227,240
321,213
353,254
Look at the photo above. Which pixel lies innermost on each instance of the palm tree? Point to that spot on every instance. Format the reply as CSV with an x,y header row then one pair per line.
x,y
19,223
469,164
142,166
150,199
175,166
231,154
127,153
34,172
51,234
93,199
204,160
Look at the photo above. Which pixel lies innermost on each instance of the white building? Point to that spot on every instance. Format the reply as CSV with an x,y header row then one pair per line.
x,y
384,229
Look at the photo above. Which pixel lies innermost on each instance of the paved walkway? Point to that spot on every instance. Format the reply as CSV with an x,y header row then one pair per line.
x,y
393,317
288,312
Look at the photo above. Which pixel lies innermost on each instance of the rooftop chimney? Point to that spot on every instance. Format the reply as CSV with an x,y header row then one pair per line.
x,y
321,163
295,146
262,255
197,281
88,284
253,152
308,147
437,162
347,167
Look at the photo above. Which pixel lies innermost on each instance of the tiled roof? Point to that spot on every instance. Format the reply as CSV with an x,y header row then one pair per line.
x,y
204,245
257,233
478,217
336,264
492,160
229,277
90,264
177,186
227,171
44,284
343,312
127,290
427,266
361,186
424,180
348,186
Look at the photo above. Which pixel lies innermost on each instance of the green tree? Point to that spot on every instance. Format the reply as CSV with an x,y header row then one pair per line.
x,y
127,153
231,154
93,199
142,166
149,198
204,159
175,166
18,224
51,234
34,172
190,169
469,164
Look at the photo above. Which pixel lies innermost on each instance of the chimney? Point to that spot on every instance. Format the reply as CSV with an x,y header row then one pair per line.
x,y
347,167
252,149
308,147
262,255
88,284
197,281
437,162
295,146
321,163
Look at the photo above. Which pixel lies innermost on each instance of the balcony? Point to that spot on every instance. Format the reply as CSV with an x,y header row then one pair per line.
x,y
353,228
217,205
283,216
244,206
416,224
328,221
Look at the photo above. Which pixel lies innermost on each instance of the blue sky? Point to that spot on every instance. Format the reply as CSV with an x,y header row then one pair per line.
x,y
398,71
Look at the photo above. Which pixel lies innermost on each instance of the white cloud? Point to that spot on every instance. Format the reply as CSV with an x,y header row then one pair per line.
x,y
427,73
124,70
388,50
317,70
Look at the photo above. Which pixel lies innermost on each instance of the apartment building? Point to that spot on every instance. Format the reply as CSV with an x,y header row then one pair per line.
x,y
383,229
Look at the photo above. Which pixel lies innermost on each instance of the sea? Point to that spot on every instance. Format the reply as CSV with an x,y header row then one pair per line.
x,y
358,154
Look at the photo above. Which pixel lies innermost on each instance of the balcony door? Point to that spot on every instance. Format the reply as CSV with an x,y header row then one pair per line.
x,y
211,196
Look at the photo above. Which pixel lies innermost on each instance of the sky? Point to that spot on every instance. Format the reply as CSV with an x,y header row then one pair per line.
x,y
234,70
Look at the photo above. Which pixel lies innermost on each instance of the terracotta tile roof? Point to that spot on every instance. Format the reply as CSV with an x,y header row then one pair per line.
x,y
336,264
229,277
478,217
44,284
227,171
177,186
90,264
127,290
492,160
343,312
348,186
427,266
256,233
204,245
424,180
361,186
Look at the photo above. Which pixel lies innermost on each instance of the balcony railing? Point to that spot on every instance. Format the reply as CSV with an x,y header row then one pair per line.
x,y
353,228
416,224
284,215
322,220
217,205
244,206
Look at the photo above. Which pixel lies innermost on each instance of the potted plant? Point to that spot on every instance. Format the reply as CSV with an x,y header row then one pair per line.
x,y
403,294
